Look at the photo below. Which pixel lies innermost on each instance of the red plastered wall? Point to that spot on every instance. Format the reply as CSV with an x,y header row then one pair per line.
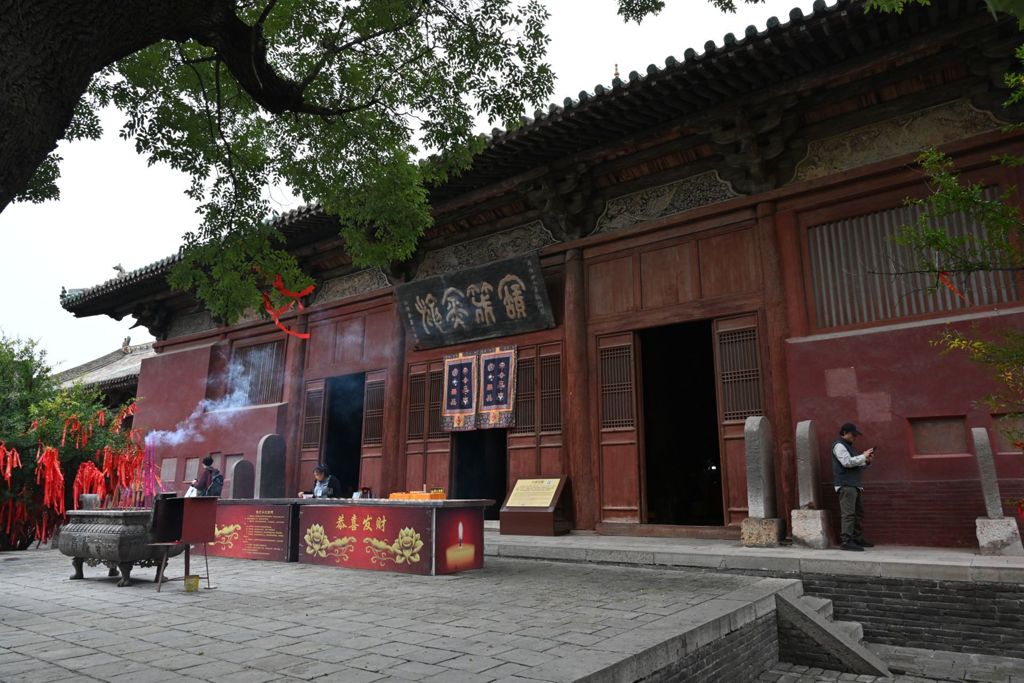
x,y
881,379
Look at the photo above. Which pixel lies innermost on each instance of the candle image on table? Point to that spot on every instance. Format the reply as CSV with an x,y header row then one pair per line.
x,y
460,556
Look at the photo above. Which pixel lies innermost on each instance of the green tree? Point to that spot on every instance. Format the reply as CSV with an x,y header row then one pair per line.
x,y
334,100
36,414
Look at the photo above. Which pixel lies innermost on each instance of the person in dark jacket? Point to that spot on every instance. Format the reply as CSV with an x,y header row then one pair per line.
x,y
848,466
205,478
325,485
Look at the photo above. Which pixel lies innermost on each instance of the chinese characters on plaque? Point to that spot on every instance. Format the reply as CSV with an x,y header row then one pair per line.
x,y
498,299
479,389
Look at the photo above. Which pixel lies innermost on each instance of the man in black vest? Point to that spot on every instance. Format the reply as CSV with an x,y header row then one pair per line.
x,y
847,471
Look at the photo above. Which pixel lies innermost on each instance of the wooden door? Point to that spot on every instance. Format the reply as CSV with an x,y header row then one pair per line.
x,y
740,395
427,444
371,450
619,434
312,443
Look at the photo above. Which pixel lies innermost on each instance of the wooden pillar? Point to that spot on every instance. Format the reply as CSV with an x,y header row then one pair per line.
x,y
776,333
293,396
788,246
577,398
393,459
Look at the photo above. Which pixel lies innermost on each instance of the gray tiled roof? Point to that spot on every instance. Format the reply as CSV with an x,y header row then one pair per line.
x,y
114,368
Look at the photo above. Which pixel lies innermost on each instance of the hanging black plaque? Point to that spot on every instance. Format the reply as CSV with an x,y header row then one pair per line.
x,y
494,300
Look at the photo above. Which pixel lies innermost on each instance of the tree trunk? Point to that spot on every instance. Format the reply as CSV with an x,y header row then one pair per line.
x,y
51,49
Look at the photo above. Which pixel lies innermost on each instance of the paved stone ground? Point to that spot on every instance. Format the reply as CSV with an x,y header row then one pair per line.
x,y
515,622
265,621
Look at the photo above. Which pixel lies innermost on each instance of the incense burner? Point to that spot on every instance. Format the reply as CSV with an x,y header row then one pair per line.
x,y
118,539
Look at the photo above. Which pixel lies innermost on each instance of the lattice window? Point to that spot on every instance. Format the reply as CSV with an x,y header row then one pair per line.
x,y
739,374
168,471
257,373
191,469
417,406
850,260
373,414
312,419
526,397
617,388
435,393
551,393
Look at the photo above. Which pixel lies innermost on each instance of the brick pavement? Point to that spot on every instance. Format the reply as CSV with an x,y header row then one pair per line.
x,y
513,622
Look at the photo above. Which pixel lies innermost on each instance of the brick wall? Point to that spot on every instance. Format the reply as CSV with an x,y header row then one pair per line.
x,y
923,513
795,647
740,656
985,618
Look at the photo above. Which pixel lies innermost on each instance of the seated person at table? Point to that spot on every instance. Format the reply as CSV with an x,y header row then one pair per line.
x,y
324,485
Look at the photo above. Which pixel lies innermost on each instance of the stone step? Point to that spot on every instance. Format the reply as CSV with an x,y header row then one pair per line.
x,y
822,606
806,637
852,629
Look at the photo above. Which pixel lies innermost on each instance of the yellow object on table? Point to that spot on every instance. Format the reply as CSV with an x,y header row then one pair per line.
x,y
418,495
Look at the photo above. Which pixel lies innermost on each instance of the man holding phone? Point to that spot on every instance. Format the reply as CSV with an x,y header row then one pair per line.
x,y
848,469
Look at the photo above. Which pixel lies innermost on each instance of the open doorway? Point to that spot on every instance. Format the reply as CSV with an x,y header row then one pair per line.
x,y
344,430
481,466
682,461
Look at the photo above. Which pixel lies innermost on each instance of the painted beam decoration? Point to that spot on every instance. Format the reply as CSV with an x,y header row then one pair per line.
x,y
495,300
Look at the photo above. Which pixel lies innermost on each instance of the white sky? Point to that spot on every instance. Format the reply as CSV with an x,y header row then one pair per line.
x,y
114,209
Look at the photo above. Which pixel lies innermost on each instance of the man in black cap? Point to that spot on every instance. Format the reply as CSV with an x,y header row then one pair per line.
x,y
847,470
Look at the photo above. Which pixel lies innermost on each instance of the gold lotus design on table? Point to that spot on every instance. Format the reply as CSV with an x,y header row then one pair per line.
x,y
319,544
404,550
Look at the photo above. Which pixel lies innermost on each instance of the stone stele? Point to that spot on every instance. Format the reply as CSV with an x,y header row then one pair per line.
x,y
987,472
757,440
270,459
808,461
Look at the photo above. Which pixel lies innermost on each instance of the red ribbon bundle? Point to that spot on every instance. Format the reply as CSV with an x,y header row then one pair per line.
x,y
9,460
276,313
13,514
49,474
89,480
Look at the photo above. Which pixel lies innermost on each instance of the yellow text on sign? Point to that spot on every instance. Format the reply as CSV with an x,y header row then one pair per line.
x,y
533,493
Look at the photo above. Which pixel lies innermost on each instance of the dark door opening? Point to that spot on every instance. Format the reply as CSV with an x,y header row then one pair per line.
x,y
343,438
682,461
481,466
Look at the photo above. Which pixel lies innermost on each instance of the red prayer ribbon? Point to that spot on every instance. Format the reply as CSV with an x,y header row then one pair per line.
x,y
945,280
276,313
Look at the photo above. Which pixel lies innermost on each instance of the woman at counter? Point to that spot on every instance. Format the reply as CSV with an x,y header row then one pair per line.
x,y
325,485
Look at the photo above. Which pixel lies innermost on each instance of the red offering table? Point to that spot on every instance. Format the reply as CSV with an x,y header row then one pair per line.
x,y
410,536
255,529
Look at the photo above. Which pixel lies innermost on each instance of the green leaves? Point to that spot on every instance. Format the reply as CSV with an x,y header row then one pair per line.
x,y
940,251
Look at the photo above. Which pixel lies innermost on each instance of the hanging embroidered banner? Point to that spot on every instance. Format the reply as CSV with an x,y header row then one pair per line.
x,y
459,410
497,388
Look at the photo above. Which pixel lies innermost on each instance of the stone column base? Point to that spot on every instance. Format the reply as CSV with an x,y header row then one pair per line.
x,y
761,533
812,528
998,536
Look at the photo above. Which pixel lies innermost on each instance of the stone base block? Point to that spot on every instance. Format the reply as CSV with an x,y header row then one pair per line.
x,y
761,533
812,528
998,536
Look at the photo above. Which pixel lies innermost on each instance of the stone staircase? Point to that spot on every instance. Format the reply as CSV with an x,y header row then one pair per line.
x,y
809,635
